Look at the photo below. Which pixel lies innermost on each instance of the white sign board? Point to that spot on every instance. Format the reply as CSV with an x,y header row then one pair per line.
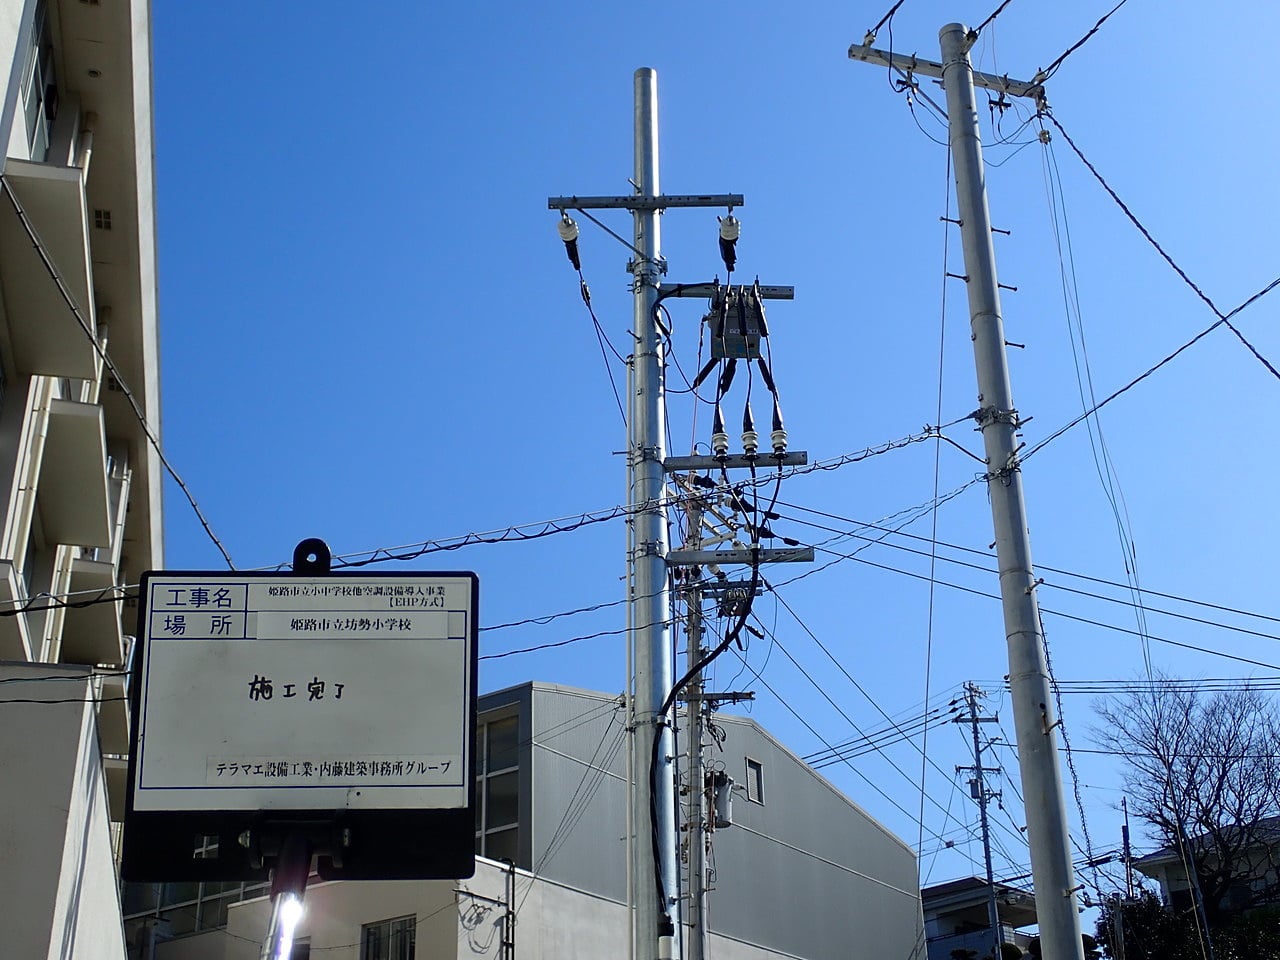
x,y
298,693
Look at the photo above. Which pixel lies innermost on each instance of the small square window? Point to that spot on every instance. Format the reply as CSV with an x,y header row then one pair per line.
x,y
755,781
389,939
102,219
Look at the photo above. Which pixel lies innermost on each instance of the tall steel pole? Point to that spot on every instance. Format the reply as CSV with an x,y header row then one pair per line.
x,y
696,944
1056,908
650,600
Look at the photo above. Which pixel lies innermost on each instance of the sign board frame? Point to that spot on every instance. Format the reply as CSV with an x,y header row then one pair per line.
x,y
369,787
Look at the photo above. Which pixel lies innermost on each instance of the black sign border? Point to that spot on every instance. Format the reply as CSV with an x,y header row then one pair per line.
x,y
398,844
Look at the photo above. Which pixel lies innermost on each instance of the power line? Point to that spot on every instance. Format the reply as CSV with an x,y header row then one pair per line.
x,y
1056,613
808,726
602,338
110,364
853,535
1222,318
994,13
1039,568
536,530
1050,70
558,643
822,690
886,18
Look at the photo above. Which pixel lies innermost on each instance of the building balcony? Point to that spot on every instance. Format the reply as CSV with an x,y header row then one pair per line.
x,y
92,634
75,499
116,769
113,715
47,337
15,636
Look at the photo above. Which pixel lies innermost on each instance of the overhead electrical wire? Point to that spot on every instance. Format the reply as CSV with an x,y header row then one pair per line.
x,y
786,703
1066,739
1043,75
990,18
603,339
853,534
1040,568
839,557
152,438
1222,318
937,477
821,688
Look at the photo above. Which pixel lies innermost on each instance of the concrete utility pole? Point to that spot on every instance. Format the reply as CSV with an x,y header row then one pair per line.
x,y
650,656
1056,909
1052,874
979,790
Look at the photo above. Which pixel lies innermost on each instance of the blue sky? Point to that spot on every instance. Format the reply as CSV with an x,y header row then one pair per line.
x,y
370,332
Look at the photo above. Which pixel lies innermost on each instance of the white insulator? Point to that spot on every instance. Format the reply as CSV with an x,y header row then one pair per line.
x,y
779,440
730,228
666,947
750,442
568,229
720,444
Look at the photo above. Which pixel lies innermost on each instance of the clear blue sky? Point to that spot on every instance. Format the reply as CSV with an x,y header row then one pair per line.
x,y
370,332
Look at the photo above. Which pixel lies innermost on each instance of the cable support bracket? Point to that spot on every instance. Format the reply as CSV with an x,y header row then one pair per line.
x,y
989,415
647,548
642,276
642,454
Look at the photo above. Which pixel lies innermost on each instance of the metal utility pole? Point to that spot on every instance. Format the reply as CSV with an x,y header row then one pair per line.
x,y
1054,879
979,790
698,551
654,892
696,943
1126,850
650,602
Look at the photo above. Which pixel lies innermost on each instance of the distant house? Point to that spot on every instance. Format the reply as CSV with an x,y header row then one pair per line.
x,y
956,917
1251,878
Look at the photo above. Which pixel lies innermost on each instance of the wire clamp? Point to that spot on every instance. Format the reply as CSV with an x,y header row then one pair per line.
x,y
989,415
647,548
643,454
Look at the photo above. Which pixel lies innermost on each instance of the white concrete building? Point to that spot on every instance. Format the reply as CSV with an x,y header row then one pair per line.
x,y
79,479
802,872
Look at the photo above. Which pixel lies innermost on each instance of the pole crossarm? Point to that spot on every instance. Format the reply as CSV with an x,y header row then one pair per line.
x,y
702,291
689,558
735,461
640,202
911,64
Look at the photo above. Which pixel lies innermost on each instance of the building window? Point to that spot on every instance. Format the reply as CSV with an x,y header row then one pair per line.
x,y
497,788
755,781
39,86
388,939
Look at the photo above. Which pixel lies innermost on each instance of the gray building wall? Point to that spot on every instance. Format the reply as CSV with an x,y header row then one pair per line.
x,y
807,872
579,801
57,876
